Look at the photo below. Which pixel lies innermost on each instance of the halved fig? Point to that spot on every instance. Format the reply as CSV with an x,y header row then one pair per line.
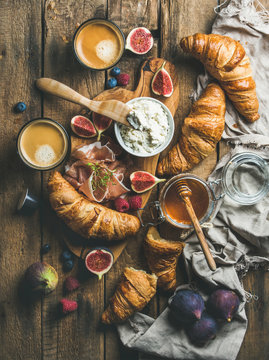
x,y
101,123
162,83
83,127
139,41
99,261
142,181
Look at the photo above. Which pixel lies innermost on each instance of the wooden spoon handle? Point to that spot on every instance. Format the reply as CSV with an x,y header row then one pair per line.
x,y
114,109
209,258
56,88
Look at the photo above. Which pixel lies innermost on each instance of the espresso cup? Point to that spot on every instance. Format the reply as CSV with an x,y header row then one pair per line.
x,y
98,44
43,144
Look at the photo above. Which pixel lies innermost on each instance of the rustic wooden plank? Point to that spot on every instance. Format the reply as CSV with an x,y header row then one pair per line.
x,y
178,19
76,336
131,14
20,49
144,13
255,345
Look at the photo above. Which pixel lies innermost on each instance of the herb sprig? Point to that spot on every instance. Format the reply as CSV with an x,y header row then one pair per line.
x,y
102,176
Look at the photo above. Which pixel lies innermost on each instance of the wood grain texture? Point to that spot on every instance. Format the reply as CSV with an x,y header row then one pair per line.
x,y
148,69
36,41
20,60
76,336
143,13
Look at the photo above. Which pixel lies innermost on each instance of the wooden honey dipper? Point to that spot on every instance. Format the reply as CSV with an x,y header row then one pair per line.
x,y
185,193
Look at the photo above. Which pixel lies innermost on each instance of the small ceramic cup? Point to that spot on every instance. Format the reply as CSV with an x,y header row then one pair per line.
x,y
93,37
23,153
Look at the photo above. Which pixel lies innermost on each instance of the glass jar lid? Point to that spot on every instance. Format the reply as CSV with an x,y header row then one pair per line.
x,y
245,178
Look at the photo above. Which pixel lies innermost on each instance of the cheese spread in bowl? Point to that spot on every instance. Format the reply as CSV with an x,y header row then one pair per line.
x,y
155,128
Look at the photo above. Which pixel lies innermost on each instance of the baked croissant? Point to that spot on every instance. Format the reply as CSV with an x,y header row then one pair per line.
x,y
201,131
85,217
135,290
226,60
162,257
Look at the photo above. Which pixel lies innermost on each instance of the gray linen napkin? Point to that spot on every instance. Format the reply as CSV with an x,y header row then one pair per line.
x,y
239,236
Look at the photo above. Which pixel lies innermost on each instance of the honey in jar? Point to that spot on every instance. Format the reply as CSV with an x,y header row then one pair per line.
x,y
175,207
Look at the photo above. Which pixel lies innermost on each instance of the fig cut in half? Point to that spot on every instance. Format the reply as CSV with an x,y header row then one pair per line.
x,y
99,261
142,181
162,83
101,123
83,127
139,41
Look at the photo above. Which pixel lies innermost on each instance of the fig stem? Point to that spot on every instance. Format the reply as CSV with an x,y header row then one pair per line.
x,y
162,67
160,180
100,276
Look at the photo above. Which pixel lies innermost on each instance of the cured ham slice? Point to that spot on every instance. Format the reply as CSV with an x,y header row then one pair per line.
x,y
79,170
94,152
94,193
96,173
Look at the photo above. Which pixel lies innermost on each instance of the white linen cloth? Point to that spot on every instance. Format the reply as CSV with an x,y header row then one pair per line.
x,y
239,237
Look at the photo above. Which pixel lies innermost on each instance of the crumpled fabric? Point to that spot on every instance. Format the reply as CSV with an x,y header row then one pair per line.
x,y
239,236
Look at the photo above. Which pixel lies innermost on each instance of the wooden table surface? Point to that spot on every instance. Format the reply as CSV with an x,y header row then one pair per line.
x,y
35,41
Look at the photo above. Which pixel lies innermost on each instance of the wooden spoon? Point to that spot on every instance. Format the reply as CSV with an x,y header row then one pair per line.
x,y
185,192
114,109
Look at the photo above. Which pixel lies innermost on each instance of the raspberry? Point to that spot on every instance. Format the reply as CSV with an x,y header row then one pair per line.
x,y
135,202
121,205
71,283
68,306
123,79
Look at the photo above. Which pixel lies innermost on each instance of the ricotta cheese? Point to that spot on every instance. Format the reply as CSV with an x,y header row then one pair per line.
x,y
152,127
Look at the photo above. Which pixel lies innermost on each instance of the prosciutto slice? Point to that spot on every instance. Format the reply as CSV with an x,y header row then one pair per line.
x,y
94,152
96,173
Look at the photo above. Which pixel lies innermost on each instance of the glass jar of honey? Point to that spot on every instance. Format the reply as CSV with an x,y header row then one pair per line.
x,y
171,207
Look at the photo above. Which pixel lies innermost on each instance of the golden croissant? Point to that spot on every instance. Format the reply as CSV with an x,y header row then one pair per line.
x,y
87,218
135,290
201,131
162,257
226,60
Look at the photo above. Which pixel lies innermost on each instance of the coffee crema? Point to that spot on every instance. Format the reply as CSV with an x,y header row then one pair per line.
x,y
98,44
42,144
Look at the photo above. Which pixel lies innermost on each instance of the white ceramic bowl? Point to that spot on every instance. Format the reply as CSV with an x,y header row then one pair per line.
x,y
160,148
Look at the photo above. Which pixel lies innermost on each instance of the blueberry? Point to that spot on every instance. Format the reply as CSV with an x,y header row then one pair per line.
x,y
115,71
66,255
111,83
45,249
20,107
68,265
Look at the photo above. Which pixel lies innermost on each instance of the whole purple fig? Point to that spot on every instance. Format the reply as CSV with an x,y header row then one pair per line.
x,y
41,277
203,330
223,304
187,306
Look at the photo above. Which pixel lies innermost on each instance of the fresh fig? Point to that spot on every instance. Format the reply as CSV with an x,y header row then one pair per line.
x,y
187,306
223,304
41,277
203,330
83,127
139,41
99,261
142,181
101,123
162,83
